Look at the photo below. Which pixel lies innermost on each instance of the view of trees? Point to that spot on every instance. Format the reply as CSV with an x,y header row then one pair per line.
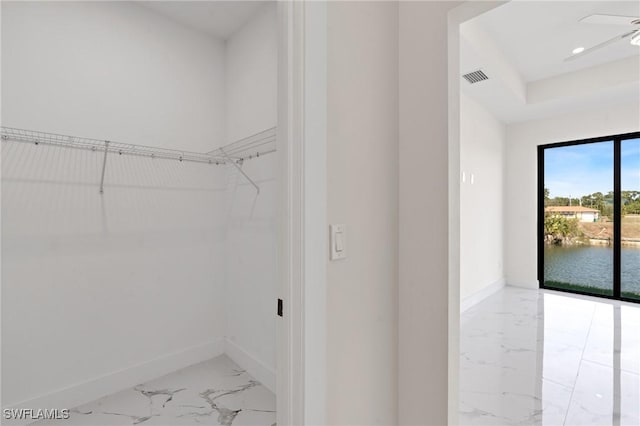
x,y
559,228
599,201
630,202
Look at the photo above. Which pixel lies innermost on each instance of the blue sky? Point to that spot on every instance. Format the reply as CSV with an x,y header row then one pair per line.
x,y
584,169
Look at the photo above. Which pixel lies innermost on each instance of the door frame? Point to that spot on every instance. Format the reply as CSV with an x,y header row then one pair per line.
x,y
455,18
617,212
301,331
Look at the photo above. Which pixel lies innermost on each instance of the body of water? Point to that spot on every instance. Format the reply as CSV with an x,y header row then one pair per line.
x,y
591,266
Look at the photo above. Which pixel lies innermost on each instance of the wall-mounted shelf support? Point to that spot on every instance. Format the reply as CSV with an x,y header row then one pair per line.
x,y
104,166
235,164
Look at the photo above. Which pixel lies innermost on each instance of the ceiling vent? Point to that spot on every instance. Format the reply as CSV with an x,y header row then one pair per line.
x,y
475,77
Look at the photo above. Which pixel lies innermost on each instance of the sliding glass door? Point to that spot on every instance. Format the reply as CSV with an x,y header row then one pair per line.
x,y
630,223
589,216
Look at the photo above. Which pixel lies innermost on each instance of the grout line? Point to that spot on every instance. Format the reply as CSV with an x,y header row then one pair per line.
x,y
610,366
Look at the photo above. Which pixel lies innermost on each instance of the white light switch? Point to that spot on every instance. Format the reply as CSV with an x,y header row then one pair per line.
x,y
338,242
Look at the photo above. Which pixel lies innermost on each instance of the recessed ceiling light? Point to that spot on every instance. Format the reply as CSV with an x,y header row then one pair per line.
x,y
578,50
635,38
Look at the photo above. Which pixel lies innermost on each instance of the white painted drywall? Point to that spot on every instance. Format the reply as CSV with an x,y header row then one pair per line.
x,y
111,70
362,191
96,284
480,42
522,176
251,75
252,244
251,277
424,301
482,140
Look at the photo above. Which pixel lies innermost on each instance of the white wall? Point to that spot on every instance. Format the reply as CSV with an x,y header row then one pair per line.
x,y
251,75
251,278
482,139
113,71
424,302
522,176
362,189
252,244
93,285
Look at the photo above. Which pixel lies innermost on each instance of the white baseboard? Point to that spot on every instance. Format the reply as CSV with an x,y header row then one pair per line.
x,y
82,393
261,372
480,295
531,285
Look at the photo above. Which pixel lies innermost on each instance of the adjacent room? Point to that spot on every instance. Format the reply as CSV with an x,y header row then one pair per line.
x,y
139,211
550,214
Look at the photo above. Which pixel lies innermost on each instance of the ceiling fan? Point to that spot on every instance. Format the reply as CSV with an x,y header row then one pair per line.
x,y
633,30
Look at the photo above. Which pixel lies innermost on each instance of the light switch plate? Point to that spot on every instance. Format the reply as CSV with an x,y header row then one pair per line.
x,y
338,242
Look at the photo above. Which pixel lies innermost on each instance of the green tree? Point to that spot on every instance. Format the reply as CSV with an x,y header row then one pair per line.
x,y
546,197
557,228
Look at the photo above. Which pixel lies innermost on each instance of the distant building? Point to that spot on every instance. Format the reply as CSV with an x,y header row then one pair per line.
x,y
583,214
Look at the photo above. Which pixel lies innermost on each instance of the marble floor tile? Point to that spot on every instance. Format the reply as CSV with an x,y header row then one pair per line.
x,y
530,357
545,404
604,396
214,392
608,332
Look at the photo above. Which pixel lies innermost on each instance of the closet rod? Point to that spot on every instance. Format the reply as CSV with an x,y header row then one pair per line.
x,y
55,139
254,146
234,153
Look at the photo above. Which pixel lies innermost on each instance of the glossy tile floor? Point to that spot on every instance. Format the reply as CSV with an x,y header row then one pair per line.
x,y
214,392
533,357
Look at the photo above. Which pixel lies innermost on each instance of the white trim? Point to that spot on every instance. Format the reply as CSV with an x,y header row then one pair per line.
x,y
290,358
256,368
301,372
530,285
479,296
316,230
82,393
453,114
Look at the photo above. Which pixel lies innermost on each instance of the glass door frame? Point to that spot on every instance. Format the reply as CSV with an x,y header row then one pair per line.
x,y
617,211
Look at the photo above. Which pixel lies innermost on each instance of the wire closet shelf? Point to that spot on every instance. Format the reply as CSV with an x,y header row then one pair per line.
x,y
251,147
234,153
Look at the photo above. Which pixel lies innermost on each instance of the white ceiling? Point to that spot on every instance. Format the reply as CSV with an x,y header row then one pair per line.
x,y
216,18
537,35
522,45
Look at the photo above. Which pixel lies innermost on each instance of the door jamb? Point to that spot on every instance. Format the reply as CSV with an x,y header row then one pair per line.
x,y
302,88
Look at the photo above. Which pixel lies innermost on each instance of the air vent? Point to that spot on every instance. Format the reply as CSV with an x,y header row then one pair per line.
x,y
475,77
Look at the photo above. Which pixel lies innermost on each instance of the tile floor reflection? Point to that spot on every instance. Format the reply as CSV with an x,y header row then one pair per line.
x,y
531,357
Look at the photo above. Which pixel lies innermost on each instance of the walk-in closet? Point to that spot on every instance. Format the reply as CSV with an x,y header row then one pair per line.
x,y
140,204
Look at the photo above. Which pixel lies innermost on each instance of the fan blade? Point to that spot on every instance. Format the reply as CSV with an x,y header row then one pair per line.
x,y
599,46
609,19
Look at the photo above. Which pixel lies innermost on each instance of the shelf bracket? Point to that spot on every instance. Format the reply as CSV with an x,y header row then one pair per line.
x,y
224,154
104,166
